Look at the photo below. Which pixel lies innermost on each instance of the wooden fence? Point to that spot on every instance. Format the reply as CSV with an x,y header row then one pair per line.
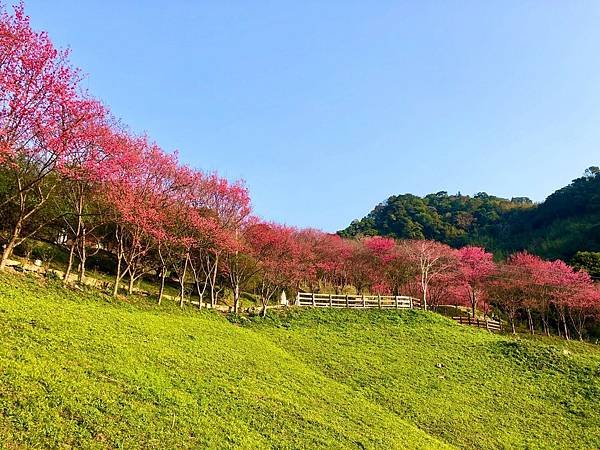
x,y
488,324
356,301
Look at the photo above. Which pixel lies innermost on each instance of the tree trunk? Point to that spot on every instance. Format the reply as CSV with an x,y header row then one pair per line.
x,y
82,257
131,281
566,329
182,282
117,278
578,325
473,302
217,293
236,298
263,313
75,239
70,263
10,246
200,297
119,262
530,321
205,284
163,275
213,282
197,284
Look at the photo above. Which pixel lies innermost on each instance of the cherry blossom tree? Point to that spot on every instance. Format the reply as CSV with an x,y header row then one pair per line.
x,y
277,254
431,260
229,204
139,193
507,291
84,171
40,119
568,288
332,256
239,265
475,266
584,305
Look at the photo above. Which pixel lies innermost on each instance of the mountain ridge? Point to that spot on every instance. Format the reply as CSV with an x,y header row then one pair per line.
x,y
566,222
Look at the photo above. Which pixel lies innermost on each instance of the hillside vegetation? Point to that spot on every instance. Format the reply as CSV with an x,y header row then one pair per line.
x,y
82,369
565,223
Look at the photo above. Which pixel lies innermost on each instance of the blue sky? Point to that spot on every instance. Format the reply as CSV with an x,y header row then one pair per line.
x,y
326,108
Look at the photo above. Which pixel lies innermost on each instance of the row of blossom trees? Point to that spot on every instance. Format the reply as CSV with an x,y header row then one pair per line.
x,y
72,174
542,294
67,165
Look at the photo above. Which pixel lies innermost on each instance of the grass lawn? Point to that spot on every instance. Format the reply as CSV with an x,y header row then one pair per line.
x,y
466,386
81,369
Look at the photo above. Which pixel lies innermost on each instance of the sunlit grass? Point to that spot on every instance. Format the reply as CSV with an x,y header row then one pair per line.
x,y
80,369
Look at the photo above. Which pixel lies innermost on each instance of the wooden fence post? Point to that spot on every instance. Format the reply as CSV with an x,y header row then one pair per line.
x,y
364,301
411,303
313,300
396,301
379,300
347,301
330,301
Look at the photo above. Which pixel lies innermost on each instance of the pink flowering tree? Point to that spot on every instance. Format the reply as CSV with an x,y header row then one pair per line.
x,y
139,193
475,267
40,120
431,260
277,253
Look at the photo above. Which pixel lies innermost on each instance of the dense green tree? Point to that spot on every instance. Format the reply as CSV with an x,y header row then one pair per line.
x,y
588,261
568,221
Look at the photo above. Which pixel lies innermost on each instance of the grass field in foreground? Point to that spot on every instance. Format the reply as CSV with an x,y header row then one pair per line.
x,y
466,386
81,369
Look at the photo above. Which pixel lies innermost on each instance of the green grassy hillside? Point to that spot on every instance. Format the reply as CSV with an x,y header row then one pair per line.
x,y
80,369
466,386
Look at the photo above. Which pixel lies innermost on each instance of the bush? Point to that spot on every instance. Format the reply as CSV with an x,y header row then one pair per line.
x,y
102,261
45,253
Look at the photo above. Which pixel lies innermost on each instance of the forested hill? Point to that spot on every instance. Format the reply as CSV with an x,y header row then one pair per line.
x,y
566,222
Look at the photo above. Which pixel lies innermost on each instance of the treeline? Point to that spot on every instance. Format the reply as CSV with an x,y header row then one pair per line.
x,y
452,219
548,296
73,175
565,223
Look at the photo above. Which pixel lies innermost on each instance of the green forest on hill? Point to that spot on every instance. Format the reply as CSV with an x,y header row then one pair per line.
x,y
567,222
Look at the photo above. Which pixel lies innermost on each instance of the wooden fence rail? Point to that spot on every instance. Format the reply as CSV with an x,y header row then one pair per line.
x,y
383,302
356,301
488,324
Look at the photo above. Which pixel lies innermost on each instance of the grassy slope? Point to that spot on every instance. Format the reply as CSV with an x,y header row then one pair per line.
x,y
80,369
492,391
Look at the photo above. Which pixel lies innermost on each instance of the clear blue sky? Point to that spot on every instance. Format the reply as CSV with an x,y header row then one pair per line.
x,y
326,108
